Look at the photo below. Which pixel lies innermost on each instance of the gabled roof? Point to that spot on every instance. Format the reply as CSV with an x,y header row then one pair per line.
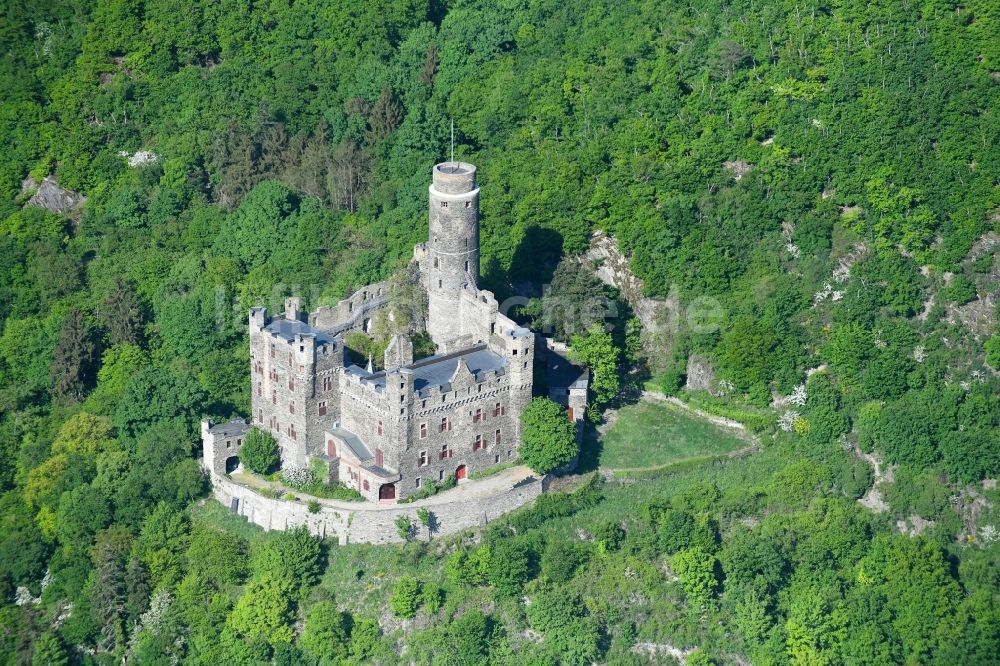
x,y
287,329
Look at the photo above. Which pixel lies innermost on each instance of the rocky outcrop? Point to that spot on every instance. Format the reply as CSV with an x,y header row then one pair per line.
x,y
656,314
50,196
700,374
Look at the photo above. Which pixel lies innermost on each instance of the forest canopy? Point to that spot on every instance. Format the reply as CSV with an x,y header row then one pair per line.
x,y
825,172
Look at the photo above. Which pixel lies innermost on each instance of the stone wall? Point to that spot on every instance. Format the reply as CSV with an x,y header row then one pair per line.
x,y
351,522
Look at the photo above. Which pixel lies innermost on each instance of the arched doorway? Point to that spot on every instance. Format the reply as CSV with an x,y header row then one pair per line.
x,y
232,464
387,491
460,472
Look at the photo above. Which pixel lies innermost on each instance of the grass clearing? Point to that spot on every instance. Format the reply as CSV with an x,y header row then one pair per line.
x,y
651,434
212,514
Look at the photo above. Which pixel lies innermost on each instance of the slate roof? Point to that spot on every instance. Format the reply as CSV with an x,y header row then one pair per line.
x,y
234,427
438,370
354,443
564,374
287,329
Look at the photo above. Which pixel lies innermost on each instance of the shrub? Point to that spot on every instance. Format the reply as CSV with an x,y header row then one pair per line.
x,y
404,526
509,567
297,477
432,597
425,517
405,597
609,536
470,567
259,452
961,290
561,559
314,506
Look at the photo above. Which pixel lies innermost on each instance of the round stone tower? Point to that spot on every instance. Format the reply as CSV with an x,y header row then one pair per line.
x,y
452,247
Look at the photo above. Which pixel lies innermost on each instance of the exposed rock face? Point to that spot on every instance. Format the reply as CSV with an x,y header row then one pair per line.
x,y
700,374
657,315
51,197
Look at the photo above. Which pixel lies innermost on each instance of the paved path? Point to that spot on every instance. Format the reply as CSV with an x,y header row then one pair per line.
x,y
466,490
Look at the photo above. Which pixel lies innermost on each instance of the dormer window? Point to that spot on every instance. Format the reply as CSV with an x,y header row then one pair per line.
x,y
444,204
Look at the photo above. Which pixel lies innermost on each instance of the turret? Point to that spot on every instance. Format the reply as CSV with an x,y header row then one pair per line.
x,y
452,263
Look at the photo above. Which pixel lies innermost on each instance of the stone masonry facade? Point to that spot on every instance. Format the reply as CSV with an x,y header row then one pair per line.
x,y
391,432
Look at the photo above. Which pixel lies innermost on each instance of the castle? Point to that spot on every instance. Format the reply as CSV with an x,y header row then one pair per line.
x,y
389,433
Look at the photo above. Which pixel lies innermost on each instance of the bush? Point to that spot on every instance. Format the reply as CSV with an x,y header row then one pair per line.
x,y
470,567
404,526
259,452
405,597
609,536
509,567
961,290
314,506
561,559
549,438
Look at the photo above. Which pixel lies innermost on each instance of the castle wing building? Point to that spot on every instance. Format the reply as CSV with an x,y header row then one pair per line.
x,y
391,432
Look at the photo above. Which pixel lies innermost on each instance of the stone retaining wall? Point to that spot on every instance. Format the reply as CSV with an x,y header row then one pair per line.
x,y
359,522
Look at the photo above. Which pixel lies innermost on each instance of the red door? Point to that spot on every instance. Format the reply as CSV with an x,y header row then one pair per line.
x,y
460,472
569,413
387,491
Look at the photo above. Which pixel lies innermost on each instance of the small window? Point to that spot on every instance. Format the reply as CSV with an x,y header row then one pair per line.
x,y
274,397
423,431
478,443
496,458
272,350
378,427
440,284
444,204
365,484
423,404
322,408
416,482
468,203
260,390
422,459
291,383
435,262
260,416
515,352
466,267
291,407
445,426
478,417
441,475
497,435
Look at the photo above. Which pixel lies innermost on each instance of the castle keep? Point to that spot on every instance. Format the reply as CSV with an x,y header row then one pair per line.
x,y
388,433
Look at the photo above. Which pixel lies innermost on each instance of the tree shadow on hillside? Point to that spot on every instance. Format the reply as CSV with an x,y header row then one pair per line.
x,y
536,257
